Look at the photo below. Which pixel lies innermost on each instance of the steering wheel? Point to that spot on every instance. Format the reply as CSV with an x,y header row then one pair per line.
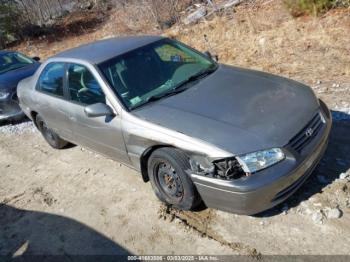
x,y
85,95
183,71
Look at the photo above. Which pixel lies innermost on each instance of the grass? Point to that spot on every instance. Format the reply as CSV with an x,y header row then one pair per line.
x,y
265,37
259,36
313,7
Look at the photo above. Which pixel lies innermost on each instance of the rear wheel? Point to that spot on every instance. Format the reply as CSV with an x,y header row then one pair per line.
x,y
50,136
172,185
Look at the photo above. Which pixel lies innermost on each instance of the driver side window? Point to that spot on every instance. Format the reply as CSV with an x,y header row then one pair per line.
x,y
83,87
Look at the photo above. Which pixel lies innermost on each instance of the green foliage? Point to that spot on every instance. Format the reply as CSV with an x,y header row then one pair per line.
x,y
8,24
313,7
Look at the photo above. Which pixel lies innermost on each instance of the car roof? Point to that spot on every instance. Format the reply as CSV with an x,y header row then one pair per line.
x,y
104,50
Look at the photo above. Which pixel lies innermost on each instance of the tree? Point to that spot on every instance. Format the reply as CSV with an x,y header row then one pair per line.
x,y
8,22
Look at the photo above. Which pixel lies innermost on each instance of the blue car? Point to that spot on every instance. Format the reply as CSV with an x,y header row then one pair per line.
x,y
14,67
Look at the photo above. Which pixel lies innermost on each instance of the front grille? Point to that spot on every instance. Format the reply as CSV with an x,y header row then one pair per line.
x,y
305,136
296,184
288,190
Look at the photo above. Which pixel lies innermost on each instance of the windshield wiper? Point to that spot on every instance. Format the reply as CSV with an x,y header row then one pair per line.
x,y
169,93
195,77
158,97
178,88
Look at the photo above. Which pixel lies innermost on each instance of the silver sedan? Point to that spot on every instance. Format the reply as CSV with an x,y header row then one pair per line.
x,y
236,139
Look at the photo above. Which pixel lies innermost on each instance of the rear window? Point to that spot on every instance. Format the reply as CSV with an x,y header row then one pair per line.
x,y
51,79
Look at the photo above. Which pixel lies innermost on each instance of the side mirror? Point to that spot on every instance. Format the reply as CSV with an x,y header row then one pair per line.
x,y
97,110
209,55
36,58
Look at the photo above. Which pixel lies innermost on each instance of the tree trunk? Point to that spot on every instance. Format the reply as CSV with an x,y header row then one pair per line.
x,y
25,8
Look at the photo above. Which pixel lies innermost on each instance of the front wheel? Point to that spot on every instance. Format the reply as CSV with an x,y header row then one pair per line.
x,y
172,185
50,136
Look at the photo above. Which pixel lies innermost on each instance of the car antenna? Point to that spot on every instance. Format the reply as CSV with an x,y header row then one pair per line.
x,y
210,52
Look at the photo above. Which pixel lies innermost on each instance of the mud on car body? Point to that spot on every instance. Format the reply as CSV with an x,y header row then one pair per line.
x,y
236,139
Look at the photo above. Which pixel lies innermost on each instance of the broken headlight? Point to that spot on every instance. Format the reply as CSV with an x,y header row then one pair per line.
x,y
236,167
226,169
259,160
229,169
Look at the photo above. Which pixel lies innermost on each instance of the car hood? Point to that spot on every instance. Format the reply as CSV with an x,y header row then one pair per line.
x,y
237,110
9,80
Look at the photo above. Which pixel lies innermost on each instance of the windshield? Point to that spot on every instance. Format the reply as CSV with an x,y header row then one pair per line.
x,y
154,71
11,61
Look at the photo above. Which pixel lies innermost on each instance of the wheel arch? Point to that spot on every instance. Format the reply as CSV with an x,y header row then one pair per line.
x,y
145,156
33,115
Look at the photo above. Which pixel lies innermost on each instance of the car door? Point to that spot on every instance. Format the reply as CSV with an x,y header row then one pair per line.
x,y
51,100
102,134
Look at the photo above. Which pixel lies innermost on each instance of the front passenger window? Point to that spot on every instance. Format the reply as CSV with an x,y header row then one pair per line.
x,y
83,87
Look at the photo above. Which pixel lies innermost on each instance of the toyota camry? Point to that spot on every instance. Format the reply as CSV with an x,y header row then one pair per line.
x,y
236,139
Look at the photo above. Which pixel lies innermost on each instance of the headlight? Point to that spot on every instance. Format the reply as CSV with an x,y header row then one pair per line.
x,y
4,94
256,161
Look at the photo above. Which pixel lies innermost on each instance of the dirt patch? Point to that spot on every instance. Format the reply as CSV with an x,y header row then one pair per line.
x,y
97,207
200,222
77,194
40,195
12,199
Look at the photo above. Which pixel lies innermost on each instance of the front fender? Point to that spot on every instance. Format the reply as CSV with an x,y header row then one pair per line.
x,y
140,136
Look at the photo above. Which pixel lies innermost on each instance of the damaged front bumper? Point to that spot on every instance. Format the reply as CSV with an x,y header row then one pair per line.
x,y
261,191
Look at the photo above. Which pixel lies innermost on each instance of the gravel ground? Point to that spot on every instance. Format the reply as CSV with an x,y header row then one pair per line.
x,y
18,128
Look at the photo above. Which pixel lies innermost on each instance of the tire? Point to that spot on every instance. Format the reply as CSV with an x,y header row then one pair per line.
x,y
50,136
20,118
170,182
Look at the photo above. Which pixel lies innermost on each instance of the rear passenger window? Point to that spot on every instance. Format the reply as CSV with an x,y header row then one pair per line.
x,y
83,87
51,79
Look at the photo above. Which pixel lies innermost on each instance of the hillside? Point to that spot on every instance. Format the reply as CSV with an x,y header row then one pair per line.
x,y
260,35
